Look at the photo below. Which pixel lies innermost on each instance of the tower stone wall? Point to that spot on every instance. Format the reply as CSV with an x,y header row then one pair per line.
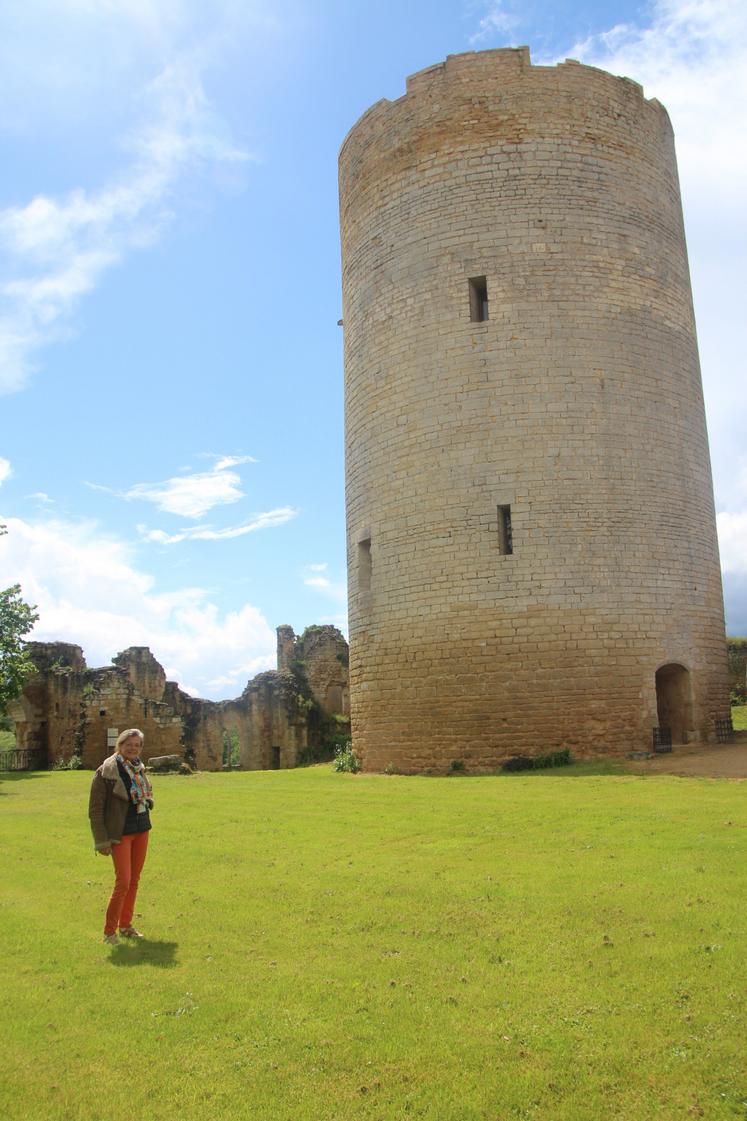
x,y
531,535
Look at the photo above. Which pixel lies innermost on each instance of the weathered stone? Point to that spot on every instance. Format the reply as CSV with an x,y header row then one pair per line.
x,y
319,657
67,709
519,340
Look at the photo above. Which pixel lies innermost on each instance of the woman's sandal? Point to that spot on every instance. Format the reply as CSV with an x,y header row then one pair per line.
x,y
129,932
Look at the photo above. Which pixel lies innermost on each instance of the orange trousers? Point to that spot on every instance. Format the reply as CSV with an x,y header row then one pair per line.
x,y
129,858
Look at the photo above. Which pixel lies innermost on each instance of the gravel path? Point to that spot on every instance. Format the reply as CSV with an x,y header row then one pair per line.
x,y
703,760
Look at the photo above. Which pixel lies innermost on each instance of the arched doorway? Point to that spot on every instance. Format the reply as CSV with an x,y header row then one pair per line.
x,y
674,703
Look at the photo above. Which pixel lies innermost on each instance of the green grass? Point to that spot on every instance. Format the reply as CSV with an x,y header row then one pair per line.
x,y
739,718
559,946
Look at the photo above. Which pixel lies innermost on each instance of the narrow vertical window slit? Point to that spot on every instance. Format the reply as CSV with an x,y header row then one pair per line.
x,y
505,534
364,565
478,299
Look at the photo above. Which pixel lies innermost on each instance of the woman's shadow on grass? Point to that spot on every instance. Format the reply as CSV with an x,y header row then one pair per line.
x,y
146,952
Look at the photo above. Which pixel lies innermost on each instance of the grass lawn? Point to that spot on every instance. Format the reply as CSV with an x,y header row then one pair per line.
x,y
739,718
566,946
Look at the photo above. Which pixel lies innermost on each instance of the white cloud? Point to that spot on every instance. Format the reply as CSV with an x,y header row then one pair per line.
x,y
497,20
191,494
56,250
335,590
88,591
5,470
267,520
223,461
732,540
231,684
317,582
693,57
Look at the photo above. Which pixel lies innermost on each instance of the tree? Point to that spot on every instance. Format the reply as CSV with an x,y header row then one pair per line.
x,y
16,619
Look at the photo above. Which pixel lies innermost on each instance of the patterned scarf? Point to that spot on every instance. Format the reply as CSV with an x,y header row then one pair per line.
x,y
141,791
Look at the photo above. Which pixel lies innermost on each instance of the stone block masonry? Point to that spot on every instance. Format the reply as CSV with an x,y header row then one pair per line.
x,y
320,657
532,553
67,709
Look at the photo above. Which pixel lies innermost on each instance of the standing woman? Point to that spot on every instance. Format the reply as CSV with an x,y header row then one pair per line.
x,y
119,809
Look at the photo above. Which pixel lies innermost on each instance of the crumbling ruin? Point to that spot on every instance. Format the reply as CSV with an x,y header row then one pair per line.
x,y
283,716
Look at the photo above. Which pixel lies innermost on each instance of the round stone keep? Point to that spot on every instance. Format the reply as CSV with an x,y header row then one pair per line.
x,y
531,536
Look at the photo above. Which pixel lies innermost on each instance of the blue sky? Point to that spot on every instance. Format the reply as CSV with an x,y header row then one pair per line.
x,y
170,362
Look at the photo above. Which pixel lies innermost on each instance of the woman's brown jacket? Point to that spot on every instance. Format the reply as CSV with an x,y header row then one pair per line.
x,y
107,806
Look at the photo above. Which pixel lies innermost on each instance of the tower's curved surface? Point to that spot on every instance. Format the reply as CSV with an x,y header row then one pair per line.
x,y
532,548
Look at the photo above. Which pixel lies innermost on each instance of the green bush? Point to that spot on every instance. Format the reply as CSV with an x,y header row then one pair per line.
x,y
74,763
315,753
538,762
346,760
324,752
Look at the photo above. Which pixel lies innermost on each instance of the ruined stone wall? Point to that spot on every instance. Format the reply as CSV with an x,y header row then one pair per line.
x,y
68,709
320,657
270,719
51,710
575,407
278,720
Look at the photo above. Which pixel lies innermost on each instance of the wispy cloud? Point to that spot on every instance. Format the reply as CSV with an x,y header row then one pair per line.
x,y
41,498
88,590
267,520
224,461
498,18
55,250
5,470
192,494
315,576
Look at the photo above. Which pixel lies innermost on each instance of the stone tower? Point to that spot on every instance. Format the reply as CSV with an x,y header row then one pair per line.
x,y
532,549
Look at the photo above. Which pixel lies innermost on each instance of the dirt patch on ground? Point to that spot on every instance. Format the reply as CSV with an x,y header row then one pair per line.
x,y
727,760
